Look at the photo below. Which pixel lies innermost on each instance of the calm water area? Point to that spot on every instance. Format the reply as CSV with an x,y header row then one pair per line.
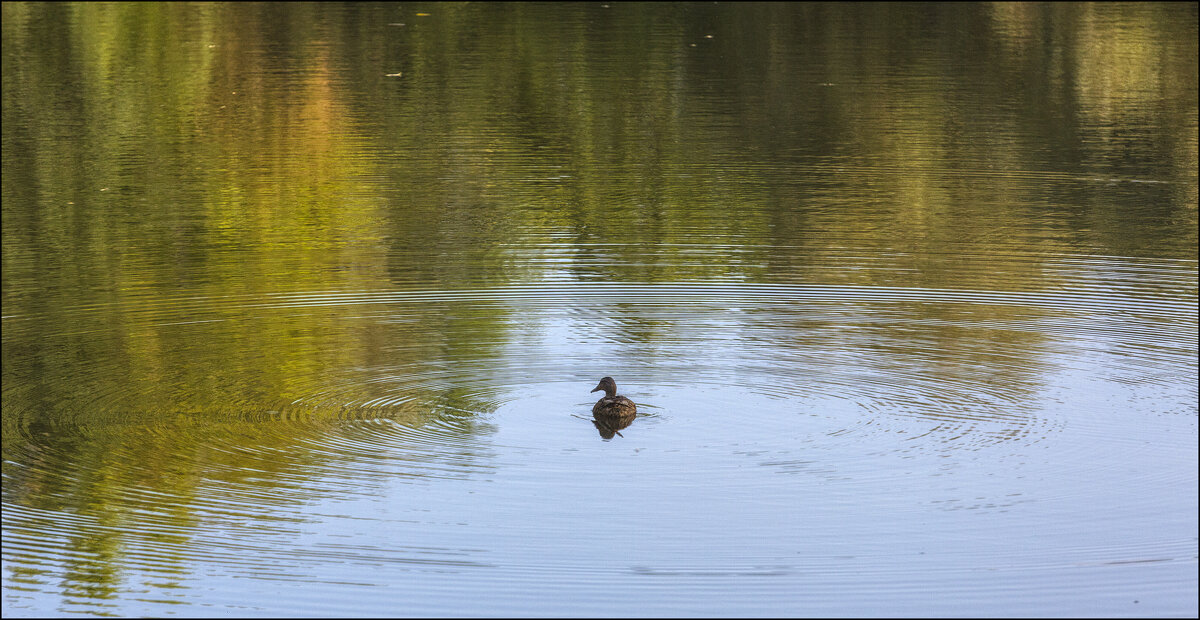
x,y
303,304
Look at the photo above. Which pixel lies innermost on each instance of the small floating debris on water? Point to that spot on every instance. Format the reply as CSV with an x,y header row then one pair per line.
x,y
396,74
396,24
422,14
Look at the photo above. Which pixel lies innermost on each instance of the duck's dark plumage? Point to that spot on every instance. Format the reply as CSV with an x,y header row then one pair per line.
x,y
612,405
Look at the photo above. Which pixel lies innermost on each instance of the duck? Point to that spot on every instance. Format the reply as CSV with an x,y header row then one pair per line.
x,y
612,405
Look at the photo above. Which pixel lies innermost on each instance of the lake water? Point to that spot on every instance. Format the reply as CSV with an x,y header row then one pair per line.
x,y
302,304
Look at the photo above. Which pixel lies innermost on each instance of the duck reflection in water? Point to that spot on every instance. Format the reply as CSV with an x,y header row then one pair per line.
x,y
612,412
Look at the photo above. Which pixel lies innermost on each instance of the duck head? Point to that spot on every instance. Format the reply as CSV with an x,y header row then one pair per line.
x,y
608,385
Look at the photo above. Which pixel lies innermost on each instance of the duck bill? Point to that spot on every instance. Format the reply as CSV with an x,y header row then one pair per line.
x,y
597,389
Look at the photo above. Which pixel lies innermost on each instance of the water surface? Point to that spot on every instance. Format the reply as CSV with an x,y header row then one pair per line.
x,y
302,304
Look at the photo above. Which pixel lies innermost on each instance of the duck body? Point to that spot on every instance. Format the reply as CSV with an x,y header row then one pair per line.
x,y
612,405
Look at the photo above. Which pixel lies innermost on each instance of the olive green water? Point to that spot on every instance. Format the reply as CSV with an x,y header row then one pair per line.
x,y
302,304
